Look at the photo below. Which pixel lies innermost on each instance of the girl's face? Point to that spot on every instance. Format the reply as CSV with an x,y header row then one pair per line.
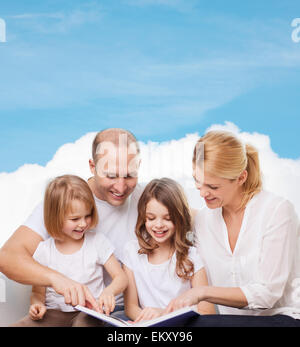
x,y
158,223
77,221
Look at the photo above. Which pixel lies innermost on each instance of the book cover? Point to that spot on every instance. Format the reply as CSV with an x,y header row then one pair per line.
x,y
173,319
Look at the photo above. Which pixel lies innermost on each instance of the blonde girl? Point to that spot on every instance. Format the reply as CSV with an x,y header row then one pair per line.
x,y
76,251
161,264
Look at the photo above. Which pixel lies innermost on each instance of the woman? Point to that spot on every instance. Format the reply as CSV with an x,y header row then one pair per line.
x,y
248,238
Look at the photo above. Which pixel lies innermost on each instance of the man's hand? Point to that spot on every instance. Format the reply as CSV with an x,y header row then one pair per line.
x,y
74,293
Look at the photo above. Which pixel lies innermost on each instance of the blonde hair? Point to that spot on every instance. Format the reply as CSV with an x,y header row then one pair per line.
x,y
59,195
170,194
227,157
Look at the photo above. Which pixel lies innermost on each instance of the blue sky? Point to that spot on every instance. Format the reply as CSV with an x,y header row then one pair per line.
x,y
161,68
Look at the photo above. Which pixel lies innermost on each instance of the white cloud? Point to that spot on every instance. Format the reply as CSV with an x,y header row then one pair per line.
x,y
23,189
61,21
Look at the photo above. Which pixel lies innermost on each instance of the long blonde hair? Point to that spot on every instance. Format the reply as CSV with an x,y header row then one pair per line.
x,y
225,156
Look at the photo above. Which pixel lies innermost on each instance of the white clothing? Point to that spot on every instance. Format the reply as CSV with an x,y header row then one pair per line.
x,y
84,266
117,223
265,263
157,284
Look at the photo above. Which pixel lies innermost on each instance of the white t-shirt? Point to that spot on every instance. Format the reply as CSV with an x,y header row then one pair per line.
x,y
157,284
117,223
84,266
265,263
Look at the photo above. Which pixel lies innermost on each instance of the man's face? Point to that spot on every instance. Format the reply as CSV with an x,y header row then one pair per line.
x,y
115,176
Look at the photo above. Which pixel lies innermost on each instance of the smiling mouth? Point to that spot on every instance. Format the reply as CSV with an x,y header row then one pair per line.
x,y
117,195
160,233
210,200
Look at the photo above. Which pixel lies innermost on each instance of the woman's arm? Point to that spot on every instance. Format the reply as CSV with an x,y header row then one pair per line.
x,y
200,279
216,295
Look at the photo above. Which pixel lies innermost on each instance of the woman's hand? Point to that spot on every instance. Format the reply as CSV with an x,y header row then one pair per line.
x,y
149,313
191,297
107,301
37,311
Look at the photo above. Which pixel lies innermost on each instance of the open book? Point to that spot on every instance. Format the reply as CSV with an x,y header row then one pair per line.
x,y
172,319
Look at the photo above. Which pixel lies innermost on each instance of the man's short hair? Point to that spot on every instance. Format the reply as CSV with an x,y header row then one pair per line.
x,y
112,135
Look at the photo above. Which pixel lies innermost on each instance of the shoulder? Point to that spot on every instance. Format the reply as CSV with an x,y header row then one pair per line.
x,y
271,203
35,221
97,238
43,251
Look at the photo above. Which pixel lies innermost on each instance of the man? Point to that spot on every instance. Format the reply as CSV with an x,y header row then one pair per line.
x,y
114,167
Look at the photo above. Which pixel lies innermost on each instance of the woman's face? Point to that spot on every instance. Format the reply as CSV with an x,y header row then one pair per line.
x,y
216,191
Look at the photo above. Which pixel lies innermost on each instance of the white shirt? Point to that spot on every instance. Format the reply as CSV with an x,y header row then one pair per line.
x,y
157,284
84,266
265,263
117,223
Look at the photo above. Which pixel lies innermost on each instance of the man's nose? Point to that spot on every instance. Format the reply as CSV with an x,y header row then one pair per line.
x,y
120,185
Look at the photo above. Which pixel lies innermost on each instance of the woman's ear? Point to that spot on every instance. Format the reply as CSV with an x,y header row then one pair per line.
x,y
243,177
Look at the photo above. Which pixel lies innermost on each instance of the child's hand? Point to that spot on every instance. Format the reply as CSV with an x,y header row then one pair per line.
x,y
107,301
149,313
37,311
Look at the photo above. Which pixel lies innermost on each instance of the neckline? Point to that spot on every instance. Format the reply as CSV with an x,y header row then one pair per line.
x,y
160,264
69,254
242,229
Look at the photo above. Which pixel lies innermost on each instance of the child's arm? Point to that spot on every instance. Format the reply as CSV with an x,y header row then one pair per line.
x,y
132,307
131,301
37,300
200,279
117,286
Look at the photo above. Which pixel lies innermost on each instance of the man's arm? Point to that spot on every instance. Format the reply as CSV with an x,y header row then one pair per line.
x,y
16,263
16,260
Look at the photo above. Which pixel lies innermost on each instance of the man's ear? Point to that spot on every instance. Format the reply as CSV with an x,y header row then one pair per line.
x,y
92,166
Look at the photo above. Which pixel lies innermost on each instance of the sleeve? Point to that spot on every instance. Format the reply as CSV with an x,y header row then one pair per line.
x,y
36,221
104,248
128,253
277,253
196,258
41,254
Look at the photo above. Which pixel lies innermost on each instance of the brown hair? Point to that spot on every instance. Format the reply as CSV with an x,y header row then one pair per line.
x,y
59,195
170,194
227,157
